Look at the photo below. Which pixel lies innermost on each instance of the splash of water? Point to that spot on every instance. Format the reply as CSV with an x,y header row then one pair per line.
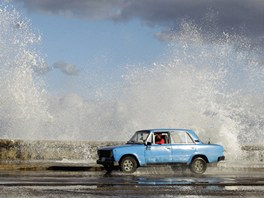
x,y
212,85
23,106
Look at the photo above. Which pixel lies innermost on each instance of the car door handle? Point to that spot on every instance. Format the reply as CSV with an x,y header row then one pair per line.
x,y
168,147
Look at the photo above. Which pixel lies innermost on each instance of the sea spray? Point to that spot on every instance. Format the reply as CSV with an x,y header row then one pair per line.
x,y
213,85
23,107
207,84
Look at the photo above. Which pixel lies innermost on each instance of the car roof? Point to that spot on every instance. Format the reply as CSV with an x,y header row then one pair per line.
x,y
167,129
191,132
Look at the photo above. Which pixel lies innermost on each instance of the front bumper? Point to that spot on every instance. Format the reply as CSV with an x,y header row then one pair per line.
x,y
105,161
221,158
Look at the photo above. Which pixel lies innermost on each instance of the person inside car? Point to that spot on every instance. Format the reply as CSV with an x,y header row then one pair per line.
x,y
159,139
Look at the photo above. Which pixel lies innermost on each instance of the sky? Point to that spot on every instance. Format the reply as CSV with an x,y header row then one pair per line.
x,y
90,43
109,63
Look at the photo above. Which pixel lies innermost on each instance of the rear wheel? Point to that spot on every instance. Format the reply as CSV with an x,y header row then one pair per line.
x,y
128,164
198,165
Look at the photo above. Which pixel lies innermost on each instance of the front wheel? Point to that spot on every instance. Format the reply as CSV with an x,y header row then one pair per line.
x,y
198,165
128,164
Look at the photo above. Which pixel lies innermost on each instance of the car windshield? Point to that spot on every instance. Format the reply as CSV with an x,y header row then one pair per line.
x,y
139,137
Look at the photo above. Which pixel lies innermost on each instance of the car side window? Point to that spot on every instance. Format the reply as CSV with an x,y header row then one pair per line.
x,y
161,138
181,138
139,137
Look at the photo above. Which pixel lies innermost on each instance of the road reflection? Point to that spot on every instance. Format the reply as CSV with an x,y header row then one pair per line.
x,y
144,183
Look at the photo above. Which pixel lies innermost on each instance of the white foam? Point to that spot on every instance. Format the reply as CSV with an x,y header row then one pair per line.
x,y
212,85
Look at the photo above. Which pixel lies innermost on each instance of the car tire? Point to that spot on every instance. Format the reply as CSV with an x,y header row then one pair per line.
x,y
128,164
198,165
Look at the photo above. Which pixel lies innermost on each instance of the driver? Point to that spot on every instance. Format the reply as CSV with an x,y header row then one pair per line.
x,y
159,139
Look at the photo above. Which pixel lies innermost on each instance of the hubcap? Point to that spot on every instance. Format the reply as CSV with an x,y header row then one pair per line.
x,y
198,166
128,165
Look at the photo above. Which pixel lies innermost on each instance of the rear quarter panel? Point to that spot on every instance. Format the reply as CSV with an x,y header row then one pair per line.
x,y
211,151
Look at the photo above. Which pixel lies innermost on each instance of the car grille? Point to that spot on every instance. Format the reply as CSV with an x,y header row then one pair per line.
x,y
105,153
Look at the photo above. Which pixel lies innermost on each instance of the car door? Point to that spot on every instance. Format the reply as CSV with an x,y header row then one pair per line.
x,y
183,147
158,153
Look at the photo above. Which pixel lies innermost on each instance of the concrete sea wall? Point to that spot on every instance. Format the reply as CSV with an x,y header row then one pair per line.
x,y
24,151
50,150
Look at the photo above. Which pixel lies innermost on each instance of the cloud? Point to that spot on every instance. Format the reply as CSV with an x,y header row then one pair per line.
x,y
66,68
89,9
232,16
42,69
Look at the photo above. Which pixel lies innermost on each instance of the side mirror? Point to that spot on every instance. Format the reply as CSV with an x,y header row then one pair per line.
x,y
148,144
209,142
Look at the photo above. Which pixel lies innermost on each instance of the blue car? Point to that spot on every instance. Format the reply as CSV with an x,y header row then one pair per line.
x,y
159,147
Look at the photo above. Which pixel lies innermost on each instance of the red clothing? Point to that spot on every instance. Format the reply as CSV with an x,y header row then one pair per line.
x,y
161,141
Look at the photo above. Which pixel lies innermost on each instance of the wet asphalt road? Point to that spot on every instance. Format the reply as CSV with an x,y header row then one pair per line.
x,y
151,182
